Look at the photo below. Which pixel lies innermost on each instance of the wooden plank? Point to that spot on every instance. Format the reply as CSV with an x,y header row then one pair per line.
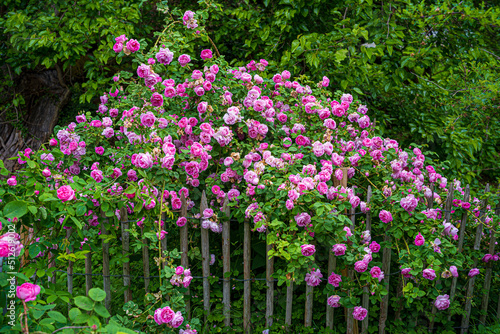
x,y
226,263
447,216
332,264
470,289
386,267
487,278
289,303
270,285
309,306
205,254
352,324
184,251
366,292
145,261
88,269
125,251
106,278
246,276
463,223
70,265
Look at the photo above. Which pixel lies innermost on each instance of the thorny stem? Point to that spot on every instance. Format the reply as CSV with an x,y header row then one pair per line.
x,y
25,314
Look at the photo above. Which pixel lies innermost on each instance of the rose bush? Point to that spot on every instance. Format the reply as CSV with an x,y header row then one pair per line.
x,y
187,122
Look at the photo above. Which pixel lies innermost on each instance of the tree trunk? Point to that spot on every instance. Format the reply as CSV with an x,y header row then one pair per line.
x,y
45,94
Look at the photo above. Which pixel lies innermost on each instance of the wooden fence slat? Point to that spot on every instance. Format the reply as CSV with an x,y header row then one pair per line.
x,y
205,254
487,278
386,267
447,216
366,292
70,265
352,324
270,285
309,306
226,261
145,261
470,290
184,251
88,269
332,264
289,303
246,277
106,278
463,223
127,294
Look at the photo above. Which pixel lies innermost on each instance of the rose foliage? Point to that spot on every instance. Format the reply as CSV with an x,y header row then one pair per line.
x,y
273,146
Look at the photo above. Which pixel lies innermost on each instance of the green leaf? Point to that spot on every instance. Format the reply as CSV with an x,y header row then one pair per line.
x,y
73,313
97,294
57,316
34,250
102,311
37,314
84,303
15,209
77,222
81,318
80,210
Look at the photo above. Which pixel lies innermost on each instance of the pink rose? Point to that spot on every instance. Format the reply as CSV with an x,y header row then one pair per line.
x,y
339,249
177,319
133,45
184,59
442,302
308,250
360,266
374,247
333,301
430,274
359,313
156,100
335,280
181,221
375,272
179,270
206,54
65,193
419,240
385,216
27,291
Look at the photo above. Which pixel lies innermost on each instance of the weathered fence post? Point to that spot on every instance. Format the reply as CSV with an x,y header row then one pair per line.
x,y
125,249
269,284
106,278
487,278
184,249
70,265
447,216
246,277
205,255
332,264
366,291
226,261
88,269
289,303
463,223
470,289
309,306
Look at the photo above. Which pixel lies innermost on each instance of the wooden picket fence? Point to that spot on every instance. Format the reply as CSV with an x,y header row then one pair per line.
x,y
352,325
